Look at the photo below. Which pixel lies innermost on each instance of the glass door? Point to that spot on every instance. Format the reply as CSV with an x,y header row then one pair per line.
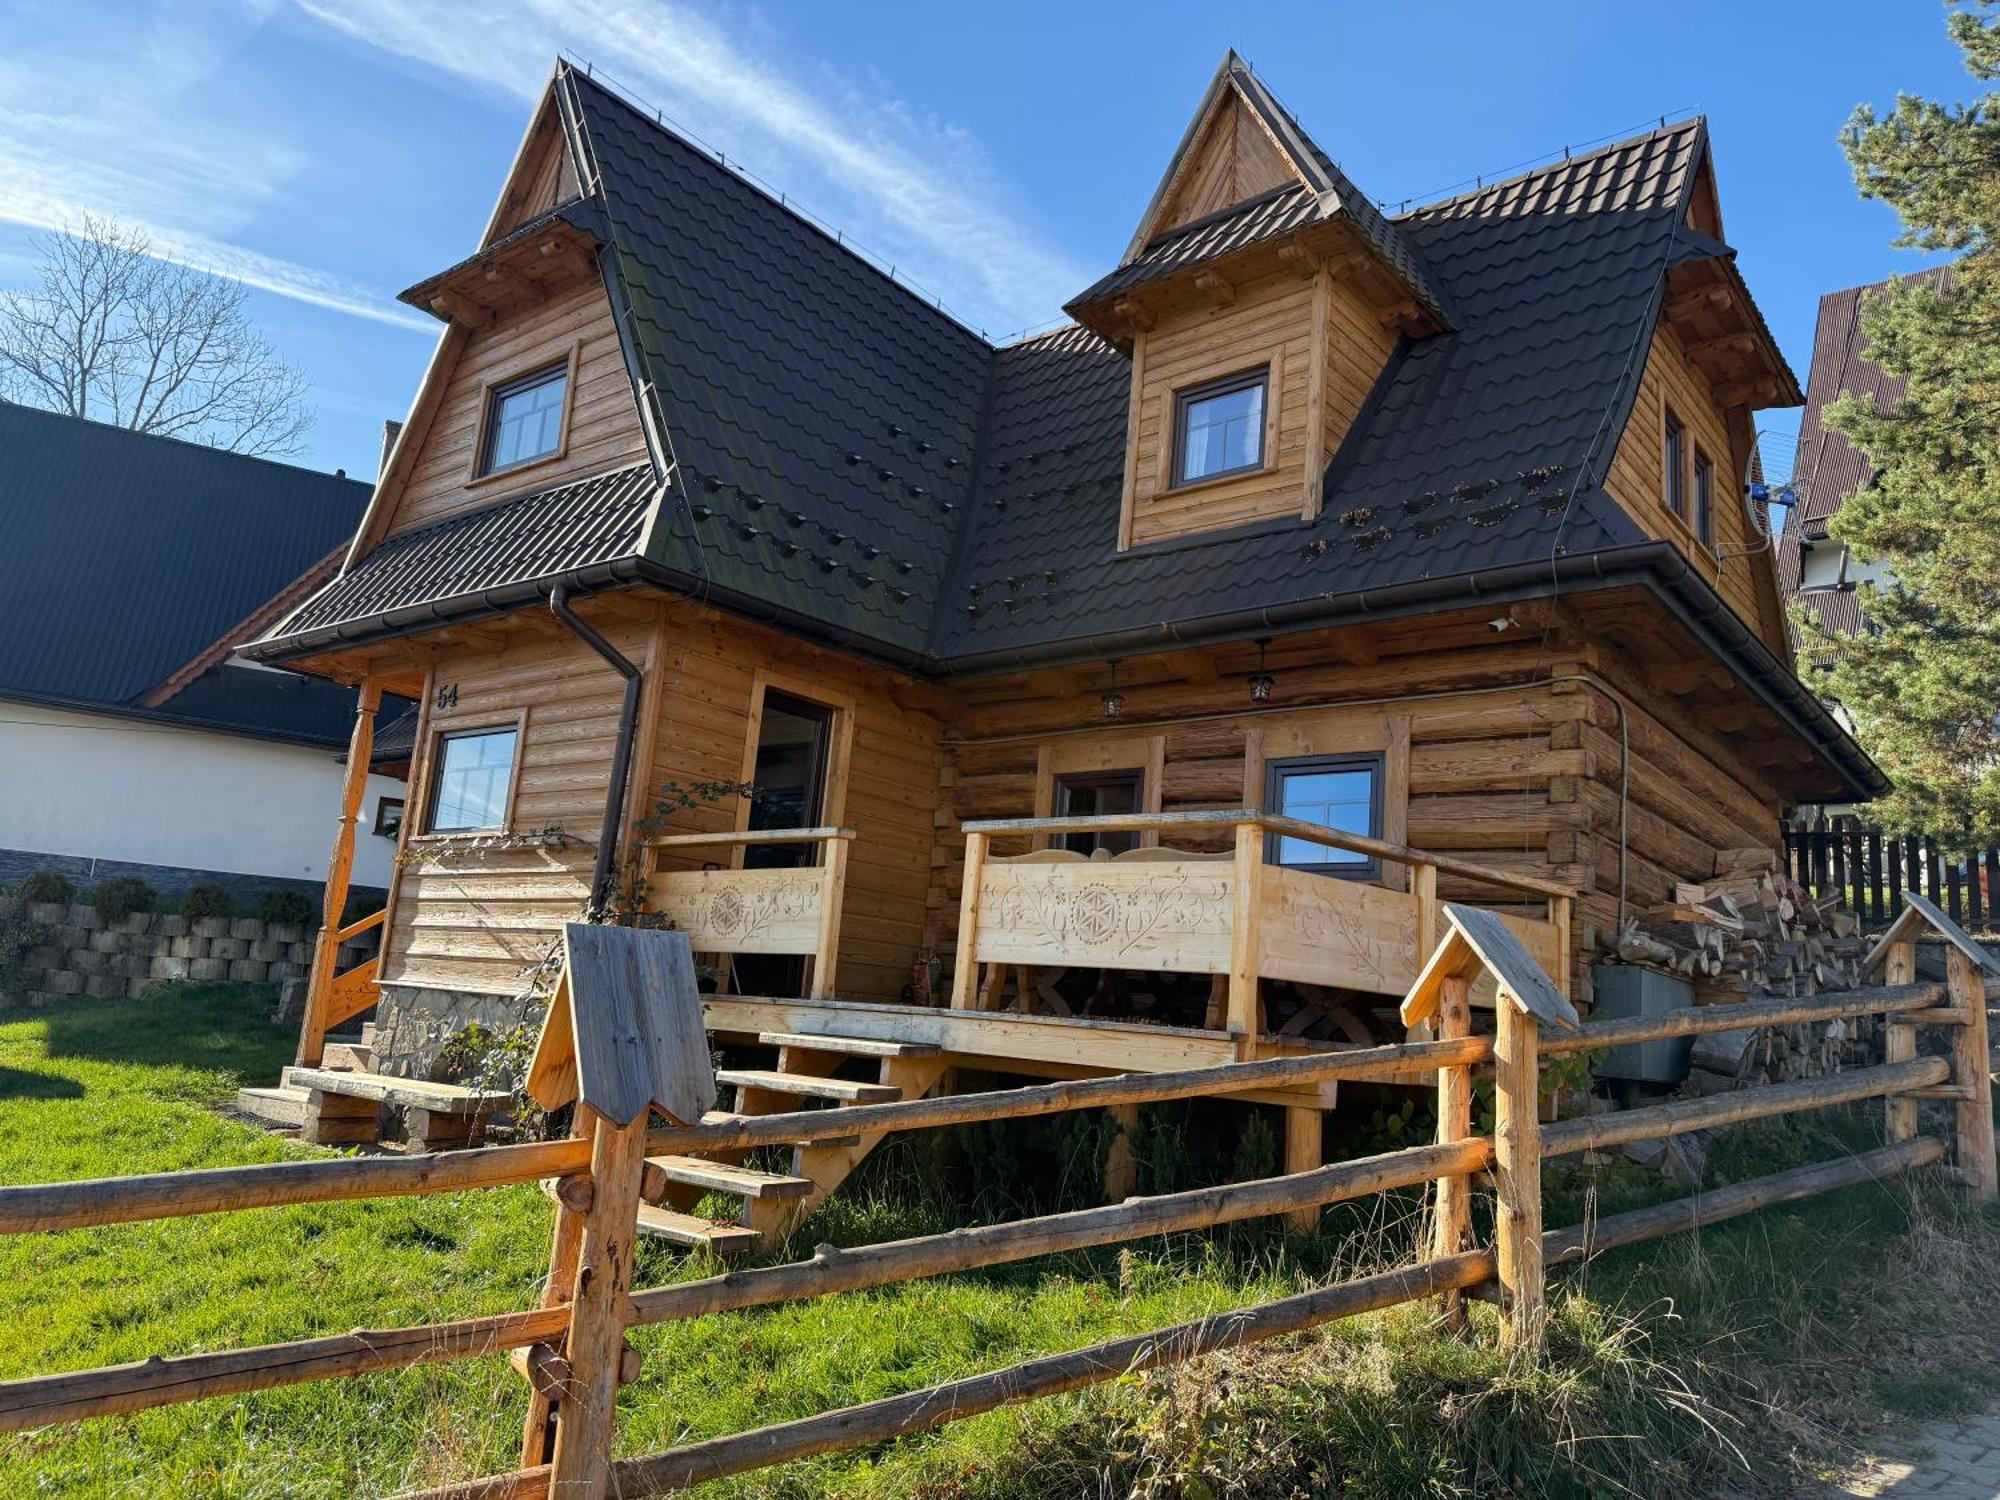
x,y
789,774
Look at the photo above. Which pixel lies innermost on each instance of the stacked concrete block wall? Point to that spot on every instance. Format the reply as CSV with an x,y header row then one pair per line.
x,y
80,953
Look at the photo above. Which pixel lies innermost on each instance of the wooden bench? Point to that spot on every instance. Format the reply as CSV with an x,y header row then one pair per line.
x,y
342,1108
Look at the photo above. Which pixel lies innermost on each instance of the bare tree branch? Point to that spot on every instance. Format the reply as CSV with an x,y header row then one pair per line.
x,y
114,334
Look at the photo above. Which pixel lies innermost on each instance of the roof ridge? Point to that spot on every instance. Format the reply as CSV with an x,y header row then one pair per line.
x,y
1692,122
338,475
718,162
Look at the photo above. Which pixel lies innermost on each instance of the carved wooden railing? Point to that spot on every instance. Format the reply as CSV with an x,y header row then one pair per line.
x,y
789,912
1226,914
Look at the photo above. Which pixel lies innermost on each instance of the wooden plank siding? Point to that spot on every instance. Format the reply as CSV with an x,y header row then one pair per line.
x,y
1234,159
1740,565
602,430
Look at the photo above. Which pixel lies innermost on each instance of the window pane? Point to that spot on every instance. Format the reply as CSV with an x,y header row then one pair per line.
x,y
527,420
1342,799
1675,459
1222,432
1103,795
473,773
1704,498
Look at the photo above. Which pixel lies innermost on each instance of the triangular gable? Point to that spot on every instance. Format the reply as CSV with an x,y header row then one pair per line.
x,y
1478,942
1238,146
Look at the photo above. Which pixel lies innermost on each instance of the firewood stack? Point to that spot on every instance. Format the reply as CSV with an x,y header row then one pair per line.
x,y
1751,932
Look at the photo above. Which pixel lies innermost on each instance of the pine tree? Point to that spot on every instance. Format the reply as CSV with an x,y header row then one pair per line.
x,y
1923,683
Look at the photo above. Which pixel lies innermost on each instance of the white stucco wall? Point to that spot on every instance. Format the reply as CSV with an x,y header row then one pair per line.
x,y
104,787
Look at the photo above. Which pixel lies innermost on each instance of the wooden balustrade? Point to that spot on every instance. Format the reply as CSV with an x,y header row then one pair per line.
x,y
792,912
1234,914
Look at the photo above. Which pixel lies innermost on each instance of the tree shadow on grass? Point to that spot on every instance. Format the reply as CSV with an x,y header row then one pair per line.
x,y
222,1028
21,1083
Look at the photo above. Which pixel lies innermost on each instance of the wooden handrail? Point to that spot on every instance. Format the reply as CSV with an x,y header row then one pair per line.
x,y
355,929
749,836
1294,828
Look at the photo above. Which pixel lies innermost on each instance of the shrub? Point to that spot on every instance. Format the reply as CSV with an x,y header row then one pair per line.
x,y
207,899
48,886
17,936
287,908
121,896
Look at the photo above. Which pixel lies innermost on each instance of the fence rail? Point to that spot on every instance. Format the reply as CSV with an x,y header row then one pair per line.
x,y
573,1348
1870,868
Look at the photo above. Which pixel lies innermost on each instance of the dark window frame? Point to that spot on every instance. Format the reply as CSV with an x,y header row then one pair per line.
x,y
825,718
382,806
497,397
1227,385
1374,762
440,748
1704,498
1673,459
1066,783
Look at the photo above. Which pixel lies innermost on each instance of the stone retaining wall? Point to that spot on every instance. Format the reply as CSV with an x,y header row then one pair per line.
x,y
85,955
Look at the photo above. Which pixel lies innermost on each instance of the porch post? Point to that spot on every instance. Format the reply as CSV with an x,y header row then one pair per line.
x,y
963,976
339,866
1245,948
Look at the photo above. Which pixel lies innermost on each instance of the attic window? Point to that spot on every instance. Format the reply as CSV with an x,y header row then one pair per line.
x,y
524,419
1673,457
1219,427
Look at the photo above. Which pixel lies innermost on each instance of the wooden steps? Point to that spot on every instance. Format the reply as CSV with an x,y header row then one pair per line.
x,y
695,1232
840,1090
728,1177
281,1108
849,1046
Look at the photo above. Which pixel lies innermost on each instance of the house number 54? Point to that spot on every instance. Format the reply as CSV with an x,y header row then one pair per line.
x,y
447,697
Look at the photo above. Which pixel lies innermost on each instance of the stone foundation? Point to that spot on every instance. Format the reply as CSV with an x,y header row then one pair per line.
x,y
412,1024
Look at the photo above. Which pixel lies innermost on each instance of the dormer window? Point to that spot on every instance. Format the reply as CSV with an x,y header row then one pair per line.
x,y
1219,427
524,419
1673,457
1704,499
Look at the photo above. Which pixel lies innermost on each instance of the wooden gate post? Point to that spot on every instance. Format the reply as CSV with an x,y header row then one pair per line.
x,y
600,1310
1899,1038
1971,1067
1454,1124
339,865
1517,1170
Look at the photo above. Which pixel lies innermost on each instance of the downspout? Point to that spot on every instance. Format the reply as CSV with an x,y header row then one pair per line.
x,y
621,754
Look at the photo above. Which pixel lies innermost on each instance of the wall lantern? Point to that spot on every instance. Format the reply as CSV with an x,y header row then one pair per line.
x,y
1261,681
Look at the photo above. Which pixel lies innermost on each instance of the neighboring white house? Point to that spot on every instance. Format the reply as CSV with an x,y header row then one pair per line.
x,y
130,741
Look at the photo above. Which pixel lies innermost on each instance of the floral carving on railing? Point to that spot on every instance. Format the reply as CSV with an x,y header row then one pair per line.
x,y
732,909
1094,912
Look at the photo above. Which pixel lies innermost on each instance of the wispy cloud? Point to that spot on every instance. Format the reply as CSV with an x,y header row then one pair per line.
x,y
121,133
916,190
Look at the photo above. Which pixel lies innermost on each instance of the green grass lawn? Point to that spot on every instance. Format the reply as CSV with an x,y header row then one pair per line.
x,y
1779,1336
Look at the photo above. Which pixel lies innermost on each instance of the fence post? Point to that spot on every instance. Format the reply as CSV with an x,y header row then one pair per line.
x,y
1454,1114
600,1310
1899,1038
1971,1062
1517,1164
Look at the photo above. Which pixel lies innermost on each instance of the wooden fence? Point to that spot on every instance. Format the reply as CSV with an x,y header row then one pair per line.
x,y
623,1057
1870,869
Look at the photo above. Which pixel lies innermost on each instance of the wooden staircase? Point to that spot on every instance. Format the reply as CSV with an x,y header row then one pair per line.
x,y
807,1073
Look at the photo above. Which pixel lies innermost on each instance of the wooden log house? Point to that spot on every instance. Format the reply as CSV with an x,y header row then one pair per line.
x,y
1126,697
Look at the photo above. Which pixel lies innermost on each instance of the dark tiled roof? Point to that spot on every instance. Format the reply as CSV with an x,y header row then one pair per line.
x,y
822,417
458,564
1277,212
127,554
1479,449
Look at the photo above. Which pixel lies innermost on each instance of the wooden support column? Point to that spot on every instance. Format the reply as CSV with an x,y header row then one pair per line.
x,y
965,971
1454,1124
1517,1170
1305,1151
1971,1069
339,865
1899,1038
1424,896
1121,1163
600,1310
1561,917
1245,1017
833,883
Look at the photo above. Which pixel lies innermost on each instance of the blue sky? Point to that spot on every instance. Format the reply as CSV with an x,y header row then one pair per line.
x,y
330,152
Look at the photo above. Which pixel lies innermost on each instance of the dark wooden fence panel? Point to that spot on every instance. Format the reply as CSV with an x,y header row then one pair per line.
x,y
1870,869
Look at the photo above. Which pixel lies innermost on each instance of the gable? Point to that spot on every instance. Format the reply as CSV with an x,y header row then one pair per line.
x,y
542,176
1235,158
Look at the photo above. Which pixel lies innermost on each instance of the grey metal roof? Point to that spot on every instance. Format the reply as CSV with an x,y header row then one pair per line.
x,y
127,555
1277,212
465,563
